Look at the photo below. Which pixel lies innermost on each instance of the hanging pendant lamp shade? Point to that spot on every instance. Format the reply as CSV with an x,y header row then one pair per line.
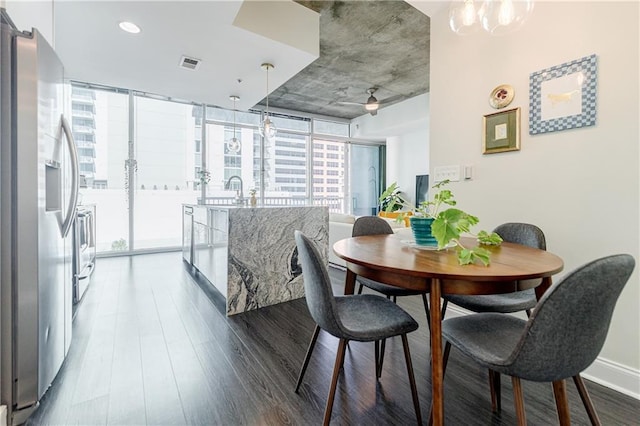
x,y
464,16
233,145
505,16
497,17
268,130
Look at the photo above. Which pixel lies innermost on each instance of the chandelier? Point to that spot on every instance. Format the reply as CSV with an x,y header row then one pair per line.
x,y
267,128
497,17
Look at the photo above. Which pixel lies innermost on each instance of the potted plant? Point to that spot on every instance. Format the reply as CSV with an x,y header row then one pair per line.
x,y
391,201
443,226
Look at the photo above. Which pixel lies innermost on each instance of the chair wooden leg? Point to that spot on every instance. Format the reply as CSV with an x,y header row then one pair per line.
x,y
518,400
445,358
496,391
381,359
562,404
307,357
382,347
528,311
377,355
360,289
334,381
412,380
444,308
425,302
586,400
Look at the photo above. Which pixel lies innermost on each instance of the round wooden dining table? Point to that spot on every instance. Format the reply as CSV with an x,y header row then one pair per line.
x,y
390,260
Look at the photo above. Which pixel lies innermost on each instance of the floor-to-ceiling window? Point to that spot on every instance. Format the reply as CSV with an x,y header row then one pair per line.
x,y
226,157
364,179
286,158
347,173
329,173
100,123
142,157
164,150
137,158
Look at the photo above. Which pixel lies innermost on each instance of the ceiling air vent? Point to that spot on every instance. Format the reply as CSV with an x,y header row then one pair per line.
x,y
189,63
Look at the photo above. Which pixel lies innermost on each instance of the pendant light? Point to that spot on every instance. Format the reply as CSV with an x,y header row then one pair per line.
x,y
497,17
267,128
233,145
505,16
464,17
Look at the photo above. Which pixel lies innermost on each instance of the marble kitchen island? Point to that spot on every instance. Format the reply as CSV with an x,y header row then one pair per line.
x,y
248,254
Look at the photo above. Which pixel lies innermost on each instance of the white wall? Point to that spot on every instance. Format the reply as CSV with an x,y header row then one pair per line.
x,y
405,127
580,186
407,156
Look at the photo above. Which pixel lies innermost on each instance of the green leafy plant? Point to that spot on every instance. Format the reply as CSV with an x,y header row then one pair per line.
x,y
391,199
449,224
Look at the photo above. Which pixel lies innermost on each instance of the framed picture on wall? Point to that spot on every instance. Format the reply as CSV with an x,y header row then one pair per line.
x,y
501,131
564,96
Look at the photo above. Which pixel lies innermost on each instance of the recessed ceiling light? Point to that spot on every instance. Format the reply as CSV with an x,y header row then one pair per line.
x,y
129,27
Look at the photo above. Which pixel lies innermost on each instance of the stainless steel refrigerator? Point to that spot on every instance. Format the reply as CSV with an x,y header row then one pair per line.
x,y
38,194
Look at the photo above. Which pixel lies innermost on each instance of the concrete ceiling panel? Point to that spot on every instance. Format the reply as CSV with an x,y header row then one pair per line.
x,y
363,44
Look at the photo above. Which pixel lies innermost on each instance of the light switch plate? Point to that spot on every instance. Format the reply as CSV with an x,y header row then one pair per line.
x,y
468,172
447,172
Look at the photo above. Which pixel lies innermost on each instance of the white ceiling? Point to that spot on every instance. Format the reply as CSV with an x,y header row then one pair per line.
x,y
429,7
232,38
94,49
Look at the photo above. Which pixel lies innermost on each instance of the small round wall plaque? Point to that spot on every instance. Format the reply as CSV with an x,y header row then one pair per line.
x,y
501,96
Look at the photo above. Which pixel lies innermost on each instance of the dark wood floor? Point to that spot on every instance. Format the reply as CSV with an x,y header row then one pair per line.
x,y
150,348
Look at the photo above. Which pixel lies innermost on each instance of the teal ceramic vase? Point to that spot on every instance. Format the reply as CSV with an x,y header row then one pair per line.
x,y
421,227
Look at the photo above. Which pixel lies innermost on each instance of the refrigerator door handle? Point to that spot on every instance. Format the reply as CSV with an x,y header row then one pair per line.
x,y
73,200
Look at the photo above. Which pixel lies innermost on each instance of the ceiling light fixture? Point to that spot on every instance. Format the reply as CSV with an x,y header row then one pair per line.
x,y
463,17
268,130
129,27
233,145
497,17
372,103
505,16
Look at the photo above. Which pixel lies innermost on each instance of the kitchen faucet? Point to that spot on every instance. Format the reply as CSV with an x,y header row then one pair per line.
x,y
239,194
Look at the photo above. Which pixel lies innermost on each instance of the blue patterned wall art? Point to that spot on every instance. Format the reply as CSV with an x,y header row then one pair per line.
x,y
564,96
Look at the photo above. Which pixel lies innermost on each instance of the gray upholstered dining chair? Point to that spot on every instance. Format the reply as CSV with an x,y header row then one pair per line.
x,y
519,233
562,337
373,225
363,318
524,300
532,236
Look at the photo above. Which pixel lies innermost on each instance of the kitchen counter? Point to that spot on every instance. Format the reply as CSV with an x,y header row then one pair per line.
x,y
249,254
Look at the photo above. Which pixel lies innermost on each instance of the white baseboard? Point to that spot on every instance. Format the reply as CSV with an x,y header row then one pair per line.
x,y
3,415
603,371
614,376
